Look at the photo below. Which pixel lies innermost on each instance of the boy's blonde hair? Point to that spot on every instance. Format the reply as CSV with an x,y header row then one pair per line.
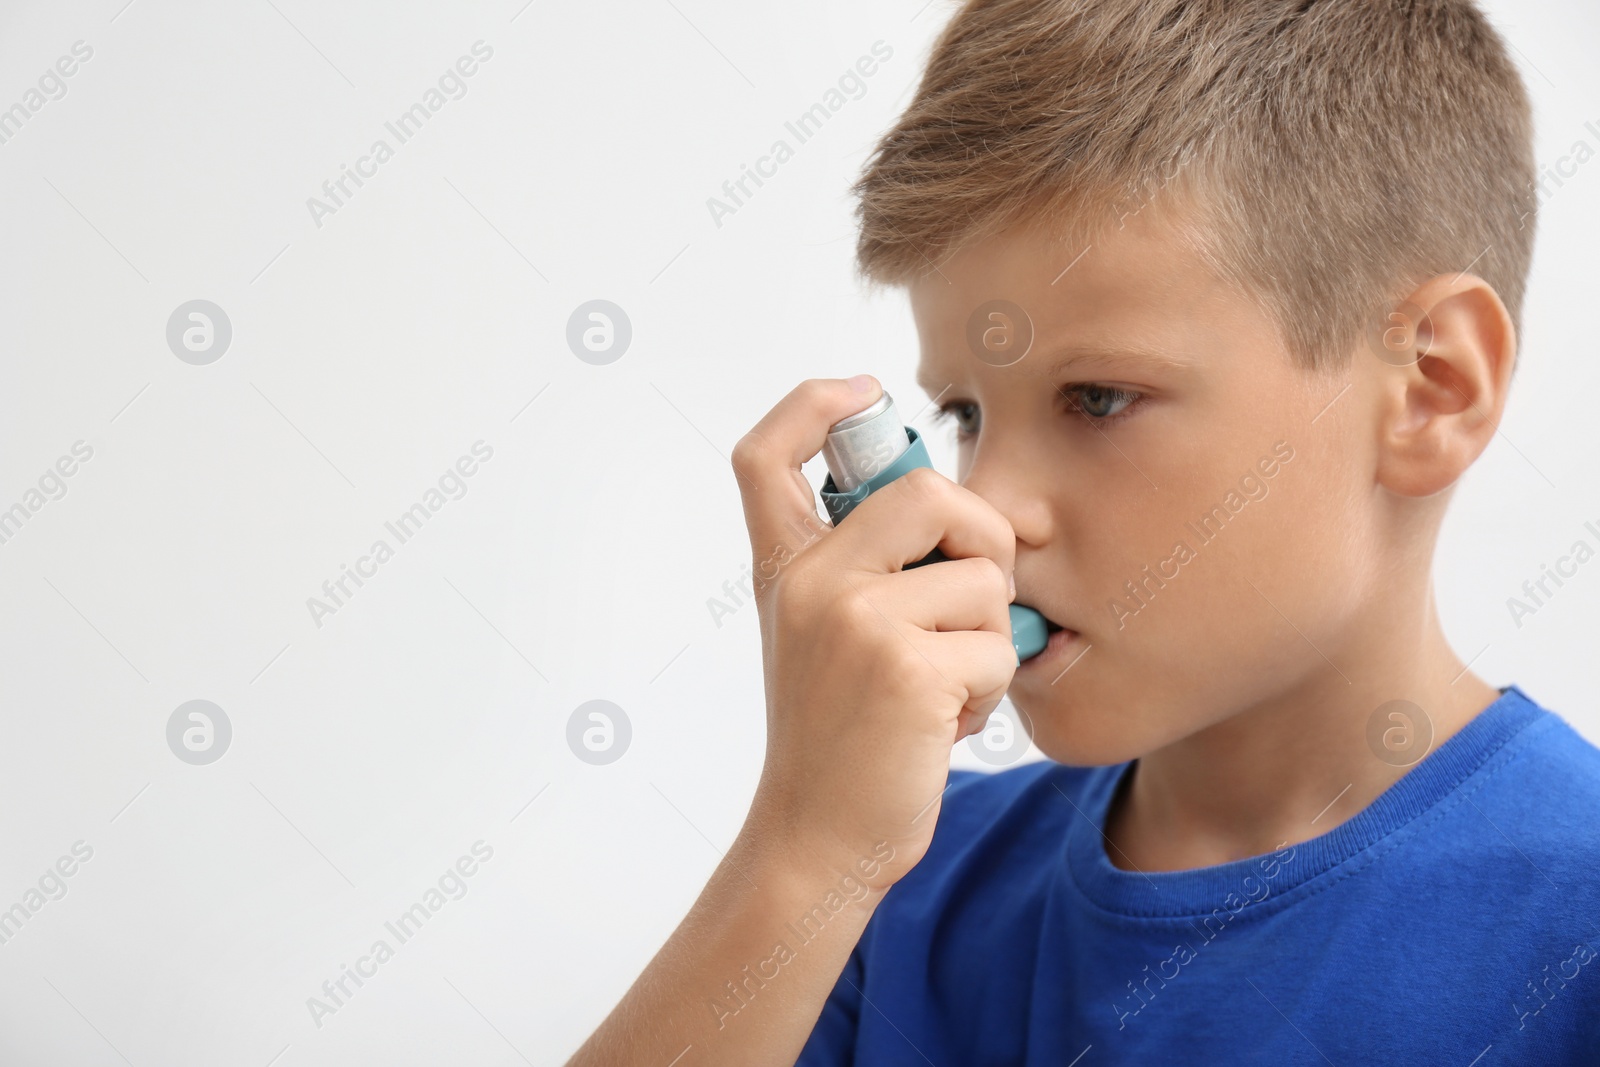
x,y
1335,153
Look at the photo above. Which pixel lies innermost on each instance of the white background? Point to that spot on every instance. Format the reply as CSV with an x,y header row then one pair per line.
x,y
370,352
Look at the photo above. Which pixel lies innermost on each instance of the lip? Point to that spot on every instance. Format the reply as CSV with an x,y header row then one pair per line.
x,y
1062,648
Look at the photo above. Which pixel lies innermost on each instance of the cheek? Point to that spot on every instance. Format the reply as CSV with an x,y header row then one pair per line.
x,y
1224,572
1147,550
1314,548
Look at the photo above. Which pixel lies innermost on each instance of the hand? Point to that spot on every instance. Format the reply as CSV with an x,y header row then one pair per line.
x,y
872,672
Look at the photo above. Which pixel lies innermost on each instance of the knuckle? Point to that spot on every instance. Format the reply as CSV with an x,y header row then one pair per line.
x,y
1005,532
854,613
906,666
1002,653
923,483
749,453
966,575
991,574
982,510
812,394
988,570
999,534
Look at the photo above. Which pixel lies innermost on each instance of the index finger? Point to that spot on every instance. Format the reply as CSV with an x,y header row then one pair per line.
x,y
777,498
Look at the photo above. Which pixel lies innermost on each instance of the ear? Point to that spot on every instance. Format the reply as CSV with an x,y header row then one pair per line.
x,y
1440,408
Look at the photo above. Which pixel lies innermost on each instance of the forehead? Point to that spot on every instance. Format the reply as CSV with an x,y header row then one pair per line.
x,y
1139,290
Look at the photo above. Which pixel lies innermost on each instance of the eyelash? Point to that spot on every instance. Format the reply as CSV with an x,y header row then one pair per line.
x,y
946,412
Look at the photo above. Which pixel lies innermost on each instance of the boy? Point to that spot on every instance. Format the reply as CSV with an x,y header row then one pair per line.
x,y
1222,300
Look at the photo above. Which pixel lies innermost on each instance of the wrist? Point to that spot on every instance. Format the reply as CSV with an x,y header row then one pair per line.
x,y
813,867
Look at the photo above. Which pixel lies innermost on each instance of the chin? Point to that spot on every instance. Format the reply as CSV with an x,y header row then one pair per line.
x,y
1084,733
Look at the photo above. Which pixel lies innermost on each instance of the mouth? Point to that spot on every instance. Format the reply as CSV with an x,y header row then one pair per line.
x,y
1058,640
1056,635
1050,625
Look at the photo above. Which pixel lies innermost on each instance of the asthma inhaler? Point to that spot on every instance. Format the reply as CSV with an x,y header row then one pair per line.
x,y
866,452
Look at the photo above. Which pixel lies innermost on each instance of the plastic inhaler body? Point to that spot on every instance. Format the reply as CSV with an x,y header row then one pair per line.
x,y
866,452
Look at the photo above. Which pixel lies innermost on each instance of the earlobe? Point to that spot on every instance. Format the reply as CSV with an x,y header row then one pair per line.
x,y
1445,404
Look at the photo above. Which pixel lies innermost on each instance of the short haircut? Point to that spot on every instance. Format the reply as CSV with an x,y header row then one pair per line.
x,y
1335,153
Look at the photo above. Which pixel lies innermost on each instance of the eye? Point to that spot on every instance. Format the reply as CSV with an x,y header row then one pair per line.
x,y
1100,403
965,415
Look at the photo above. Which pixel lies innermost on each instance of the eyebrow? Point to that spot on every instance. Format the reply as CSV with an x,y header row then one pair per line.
x,y
1064,359
925,380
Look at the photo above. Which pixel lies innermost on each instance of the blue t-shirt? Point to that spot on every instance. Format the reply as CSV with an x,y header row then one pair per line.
x,y
1454,921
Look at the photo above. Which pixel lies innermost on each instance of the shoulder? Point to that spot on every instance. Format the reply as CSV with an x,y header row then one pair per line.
x,y
1557,749
1512,872
1527,822
1553,769
1546,792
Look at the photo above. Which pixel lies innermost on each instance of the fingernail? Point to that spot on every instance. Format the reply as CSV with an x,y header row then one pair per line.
x,y
861,383
1012,578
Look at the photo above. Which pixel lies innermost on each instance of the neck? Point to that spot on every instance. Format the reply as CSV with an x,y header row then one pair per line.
x,y
1291,768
